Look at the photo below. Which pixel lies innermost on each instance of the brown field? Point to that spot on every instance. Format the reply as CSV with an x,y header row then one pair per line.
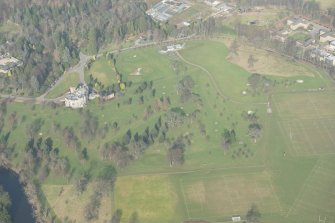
x,y
71,205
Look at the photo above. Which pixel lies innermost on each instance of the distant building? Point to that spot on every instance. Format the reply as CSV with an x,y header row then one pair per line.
x,y
327,37
165,9
77,98
212,3
236,218
223,7
298,23
323,56
172,48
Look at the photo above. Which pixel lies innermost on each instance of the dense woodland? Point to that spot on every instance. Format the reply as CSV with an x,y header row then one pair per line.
x,y
51,33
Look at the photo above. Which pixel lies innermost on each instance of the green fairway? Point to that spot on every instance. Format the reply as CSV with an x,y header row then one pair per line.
x,y
70,80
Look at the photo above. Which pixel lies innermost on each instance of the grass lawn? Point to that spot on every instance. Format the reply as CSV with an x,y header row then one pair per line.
x,y
9,27
263,18
269,63
70,80
152,197
103,70
67,204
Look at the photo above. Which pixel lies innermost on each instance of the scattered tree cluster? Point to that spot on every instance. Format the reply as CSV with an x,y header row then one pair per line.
x,y
228,138
5,205
184,88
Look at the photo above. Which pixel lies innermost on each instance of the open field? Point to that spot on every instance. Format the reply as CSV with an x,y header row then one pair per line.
x,y
316,202
269,63
9,27
67,204
152,197
103,70
70,80
263,17
307,120
228,195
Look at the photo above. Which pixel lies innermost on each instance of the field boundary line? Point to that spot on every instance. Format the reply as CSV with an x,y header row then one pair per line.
x,y
181,185
192,171
307,139
275,192
303,188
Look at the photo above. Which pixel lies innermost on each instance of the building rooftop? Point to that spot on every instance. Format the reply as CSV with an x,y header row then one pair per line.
x,y
78,93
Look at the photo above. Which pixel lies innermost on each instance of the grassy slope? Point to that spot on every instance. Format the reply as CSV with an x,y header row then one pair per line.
x,y
70,80
103,70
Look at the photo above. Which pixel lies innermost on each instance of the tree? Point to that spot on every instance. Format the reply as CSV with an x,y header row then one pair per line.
x,y
233,49
81,183
93,40
5,204
116,216
255,131
92,208
35,84
184,88
253,215
251,60
254,80
229,137
176,153
134,218
107,178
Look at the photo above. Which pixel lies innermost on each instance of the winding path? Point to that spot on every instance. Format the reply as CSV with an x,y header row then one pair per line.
x,y
214,82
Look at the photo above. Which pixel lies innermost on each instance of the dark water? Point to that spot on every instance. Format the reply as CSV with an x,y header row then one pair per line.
x,y
21,211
